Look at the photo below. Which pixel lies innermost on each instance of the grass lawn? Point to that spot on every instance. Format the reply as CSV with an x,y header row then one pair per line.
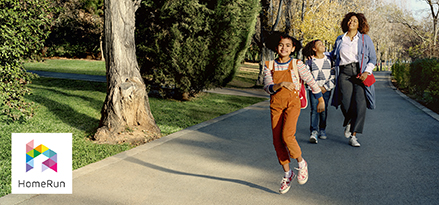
x,y
86,67
68,106
246,76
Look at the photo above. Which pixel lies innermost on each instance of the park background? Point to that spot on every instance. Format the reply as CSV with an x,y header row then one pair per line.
x,y
196,35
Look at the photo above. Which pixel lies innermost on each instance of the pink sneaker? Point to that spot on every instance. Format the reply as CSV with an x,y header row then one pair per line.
x,y
302,176
286,183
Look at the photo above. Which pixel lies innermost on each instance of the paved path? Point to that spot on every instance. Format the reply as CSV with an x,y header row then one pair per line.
x,y
231,160
71,76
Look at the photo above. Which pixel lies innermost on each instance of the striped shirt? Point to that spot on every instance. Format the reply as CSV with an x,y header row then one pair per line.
x,y
304,74
322,72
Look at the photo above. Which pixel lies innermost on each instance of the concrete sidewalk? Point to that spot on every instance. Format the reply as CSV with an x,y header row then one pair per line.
x,y
231,160
71,76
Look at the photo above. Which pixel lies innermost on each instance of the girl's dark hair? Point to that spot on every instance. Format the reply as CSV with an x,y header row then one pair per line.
x,y
308,49
363,26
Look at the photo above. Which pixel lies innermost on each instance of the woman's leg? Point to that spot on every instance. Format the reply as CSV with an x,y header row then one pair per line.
x,y
360,109
346,91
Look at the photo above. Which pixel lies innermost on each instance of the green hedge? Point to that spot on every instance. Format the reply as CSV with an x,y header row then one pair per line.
x,y
401,74
420,78
24,25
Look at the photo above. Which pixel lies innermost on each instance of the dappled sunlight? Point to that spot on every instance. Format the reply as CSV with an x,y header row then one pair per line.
x,y
168,129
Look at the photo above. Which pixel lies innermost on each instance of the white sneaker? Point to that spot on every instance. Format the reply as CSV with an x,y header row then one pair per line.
x,y
322,134
313,137
302,176
347,132
353,141
286,183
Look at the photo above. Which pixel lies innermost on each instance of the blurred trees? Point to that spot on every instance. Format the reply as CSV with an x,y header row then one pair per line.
x,y
78,29
393,29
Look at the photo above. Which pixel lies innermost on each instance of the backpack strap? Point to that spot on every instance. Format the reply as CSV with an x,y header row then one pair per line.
x,y
270,65
293,66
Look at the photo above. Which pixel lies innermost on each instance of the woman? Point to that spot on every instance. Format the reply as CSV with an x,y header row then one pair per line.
x,y
355,59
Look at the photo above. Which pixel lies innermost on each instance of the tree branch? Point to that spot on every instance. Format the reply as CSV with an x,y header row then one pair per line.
x,y
279,12
137,4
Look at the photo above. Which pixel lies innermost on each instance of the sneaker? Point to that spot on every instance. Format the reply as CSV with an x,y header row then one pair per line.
x,y
313,137
302,176
347,132
322,134
286,183
353,141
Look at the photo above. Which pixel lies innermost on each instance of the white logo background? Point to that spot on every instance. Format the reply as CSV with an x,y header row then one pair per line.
x,y
61,143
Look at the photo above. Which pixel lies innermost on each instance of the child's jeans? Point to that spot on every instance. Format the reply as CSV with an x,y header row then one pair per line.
x,y
318,120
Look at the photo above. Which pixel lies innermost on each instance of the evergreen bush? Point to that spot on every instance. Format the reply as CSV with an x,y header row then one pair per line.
x,y
24,24
401,74
77,30
421,75
420,79
187,46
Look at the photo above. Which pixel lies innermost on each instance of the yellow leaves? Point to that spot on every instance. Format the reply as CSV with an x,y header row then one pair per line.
x,y
321,21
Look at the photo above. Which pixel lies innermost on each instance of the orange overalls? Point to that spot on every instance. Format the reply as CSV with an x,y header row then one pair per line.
x,y
285,110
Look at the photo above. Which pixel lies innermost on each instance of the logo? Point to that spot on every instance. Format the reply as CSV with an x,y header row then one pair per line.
x,y
41,163
32,153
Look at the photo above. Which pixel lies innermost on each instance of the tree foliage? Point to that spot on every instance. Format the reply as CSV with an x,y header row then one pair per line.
x,y
419,79
24,25
187,46
321,21
77,30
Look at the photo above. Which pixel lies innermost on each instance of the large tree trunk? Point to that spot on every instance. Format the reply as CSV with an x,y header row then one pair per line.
x,y
266,18
126,115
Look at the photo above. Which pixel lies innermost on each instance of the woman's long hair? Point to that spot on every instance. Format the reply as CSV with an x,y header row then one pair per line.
x,y
363,26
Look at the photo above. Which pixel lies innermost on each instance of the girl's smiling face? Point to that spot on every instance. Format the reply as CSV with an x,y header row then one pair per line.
x,y
285,47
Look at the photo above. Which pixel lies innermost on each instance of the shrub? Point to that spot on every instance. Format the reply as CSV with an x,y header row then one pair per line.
x,y
421,75
24,24
188,46
77,30
420,79
401,73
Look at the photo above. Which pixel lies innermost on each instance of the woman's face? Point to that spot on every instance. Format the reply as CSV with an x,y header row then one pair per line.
x,y
353,23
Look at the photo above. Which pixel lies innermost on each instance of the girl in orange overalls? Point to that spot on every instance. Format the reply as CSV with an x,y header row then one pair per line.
x,y
283,86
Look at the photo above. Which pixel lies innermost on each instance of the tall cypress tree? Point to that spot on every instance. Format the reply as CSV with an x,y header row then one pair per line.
x,y
188,46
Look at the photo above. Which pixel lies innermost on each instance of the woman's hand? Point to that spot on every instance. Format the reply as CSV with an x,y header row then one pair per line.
x,y
363,76
321,105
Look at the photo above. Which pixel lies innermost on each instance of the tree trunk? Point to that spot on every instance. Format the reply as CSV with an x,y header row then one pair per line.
x,y
267,18
126,115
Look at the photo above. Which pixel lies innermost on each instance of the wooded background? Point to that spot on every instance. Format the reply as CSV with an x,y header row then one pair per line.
x,y
184,47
